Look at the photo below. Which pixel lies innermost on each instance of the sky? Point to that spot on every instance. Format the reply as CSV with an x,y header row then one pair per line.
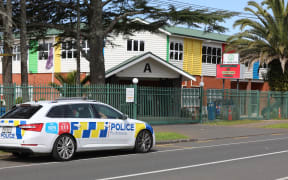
x,y
231,5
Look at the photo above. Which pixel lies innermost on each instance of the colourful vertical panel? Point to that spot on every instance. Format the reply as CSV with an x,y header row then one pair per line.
x,y
57,57
33,57
256,70
168,49
192,56
197,57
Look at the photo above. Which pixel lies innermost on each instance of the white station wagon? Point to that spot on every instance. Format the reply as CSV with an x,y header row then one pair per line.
x,y
63,127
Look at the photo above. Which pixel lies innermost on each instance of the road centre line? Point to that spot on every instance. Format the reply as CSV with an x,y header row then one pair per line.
x,y
194,165
164,151
219,145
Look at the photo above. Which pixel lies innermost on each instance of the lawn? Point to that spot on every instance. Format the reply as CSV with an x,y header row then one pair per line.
x,y
233,122
164,136
281,125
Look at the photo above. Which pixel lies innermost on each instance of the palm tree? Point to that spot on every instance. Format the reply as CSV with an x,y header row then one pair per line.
x,y
263,37
68,84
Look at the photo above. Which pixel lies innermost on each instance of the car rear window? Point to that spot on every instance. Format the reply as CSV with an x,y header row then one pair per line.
x,y
21,112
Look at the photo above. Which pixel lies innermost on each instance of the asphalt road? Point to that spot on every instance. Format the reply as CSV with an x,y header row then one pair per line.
x,y
257,158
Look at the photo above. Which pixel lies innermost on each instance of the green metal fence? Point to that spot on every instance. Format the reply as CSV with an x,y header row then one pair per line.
x,y
162,105
154,105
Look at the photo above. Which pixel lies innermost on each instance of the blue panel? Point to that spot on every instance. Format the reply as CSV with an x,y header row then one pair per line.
x,y
256,70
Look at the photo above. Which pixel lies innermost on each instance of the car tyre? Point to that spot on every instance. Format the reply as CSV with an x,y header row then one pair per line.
x,y
64,148
143,142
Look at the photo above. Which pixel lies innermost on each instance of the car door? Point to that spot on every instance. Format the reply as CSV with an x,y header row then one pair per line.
x,y
116,131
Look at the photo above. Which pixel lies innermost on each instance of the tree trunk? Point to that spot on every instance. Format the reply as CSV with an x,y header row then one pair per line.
x,y
78,45
23,49
7,60
96,42
283,63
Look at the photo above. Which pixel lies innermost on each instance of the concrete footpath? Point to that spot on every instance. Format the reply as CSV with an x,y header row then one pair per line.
x,y
200,132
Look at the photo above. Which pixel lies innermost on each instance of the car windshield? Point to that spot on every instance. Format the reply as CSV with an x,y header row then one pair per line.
x,y
21,112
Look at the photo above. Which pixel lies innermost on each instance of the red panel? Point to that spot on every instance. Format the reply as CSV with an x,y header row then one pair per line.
x,y
228,71
64,127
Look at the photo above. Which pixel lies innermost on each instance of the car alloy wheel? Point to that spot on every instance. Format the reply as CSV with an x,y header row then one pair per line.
x,y
64,148
143,142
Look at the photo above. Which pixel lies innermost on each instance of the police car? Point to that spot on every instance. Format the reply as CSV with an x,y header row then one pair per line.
x,y
64,127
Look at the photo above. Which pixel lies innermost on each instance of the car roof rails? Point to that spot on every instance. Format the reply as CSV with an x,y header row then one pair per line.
x,y
70,98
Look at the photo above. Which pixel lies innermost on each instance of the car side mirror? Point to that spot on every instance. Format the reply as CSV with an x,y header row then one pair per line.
x,y
124,116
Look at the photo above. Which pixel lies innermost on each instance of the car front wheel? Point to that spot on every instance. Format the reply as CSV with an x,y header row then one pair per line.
x,y
64,148
143,142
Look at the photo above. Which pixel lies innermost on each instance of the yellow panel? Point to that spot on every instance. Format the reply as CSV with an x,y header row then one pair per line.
x,y
197,57
139,127
96,133
192,56
57,57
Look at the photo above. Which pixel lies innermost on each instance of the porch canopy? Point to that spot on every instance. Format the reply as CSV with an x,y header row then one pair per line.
x,y
150,70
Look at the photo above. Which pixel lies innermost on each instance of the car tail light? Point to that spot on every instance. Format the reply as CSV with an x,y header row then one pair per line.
x,y
32,127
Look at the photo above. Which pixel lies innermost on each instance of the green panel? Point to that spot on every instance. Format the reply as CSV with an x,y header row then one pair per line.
x,y
168,48
33,57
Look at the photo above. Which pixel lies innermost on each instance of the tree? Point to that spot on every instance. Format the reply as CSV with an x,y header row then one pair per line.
x,y
68,84
23,49
8,41
277,80
102,19
264,38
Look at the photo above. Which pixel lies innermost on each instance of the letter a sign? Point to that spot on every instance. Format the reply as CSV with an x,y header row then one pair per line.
x,y
147,68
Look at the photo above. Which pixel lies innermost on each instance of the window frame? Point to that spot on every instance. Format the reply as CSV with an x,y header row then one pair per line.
x,y
42,50
67,50
136,45
210,55
176,51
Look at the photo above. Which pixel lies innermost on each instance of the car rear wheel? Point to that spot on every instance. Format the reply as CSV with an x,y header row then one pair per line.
x,y
64,148
143,142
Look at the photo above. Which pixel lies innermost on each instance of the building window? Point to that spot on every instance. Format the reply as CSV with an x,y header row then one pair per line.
x,y
44,51
68,50
211,55
135,45
176,51
85,47
16,53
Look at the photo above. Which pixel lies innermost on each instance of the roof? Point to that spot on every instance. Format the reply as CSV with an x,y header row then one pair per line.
x,y
136,59
181,31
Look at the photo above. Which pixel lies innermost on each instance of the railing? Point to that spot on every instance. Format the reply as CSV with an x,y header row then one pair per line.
x,y
158,105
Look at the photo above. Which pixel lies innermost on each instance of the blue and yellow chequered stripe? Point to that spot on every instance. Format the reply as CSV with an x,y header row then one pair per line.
x,y
89,129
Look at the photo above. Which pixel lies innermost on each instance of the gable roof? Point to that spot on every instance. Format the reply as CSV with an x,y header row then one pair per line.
x,y
136,59
196,33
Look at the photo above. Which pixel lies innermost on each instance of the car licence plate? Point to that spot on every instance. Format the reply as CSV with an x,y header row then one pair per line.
x,y
6,130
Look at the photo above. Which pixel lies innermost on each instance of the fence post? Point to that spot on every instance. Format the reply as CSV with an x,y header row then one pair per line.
x,y
268,105
135,101
201,104
108,94
258,104
65,90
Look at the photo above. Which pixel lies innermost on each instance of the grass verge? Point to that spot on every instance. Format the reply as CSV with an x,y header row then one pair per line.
x,y
233,122
165,136
281,125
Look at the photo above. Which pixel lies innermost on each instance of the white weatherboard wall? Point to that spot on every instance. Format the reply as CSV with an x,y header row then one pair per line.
x,y
179,64
155,43
68,65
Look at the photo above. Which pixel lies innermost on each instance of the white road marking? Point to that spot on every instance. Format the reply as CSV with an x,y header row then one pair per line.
x,y
164,151
284,178
195,165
